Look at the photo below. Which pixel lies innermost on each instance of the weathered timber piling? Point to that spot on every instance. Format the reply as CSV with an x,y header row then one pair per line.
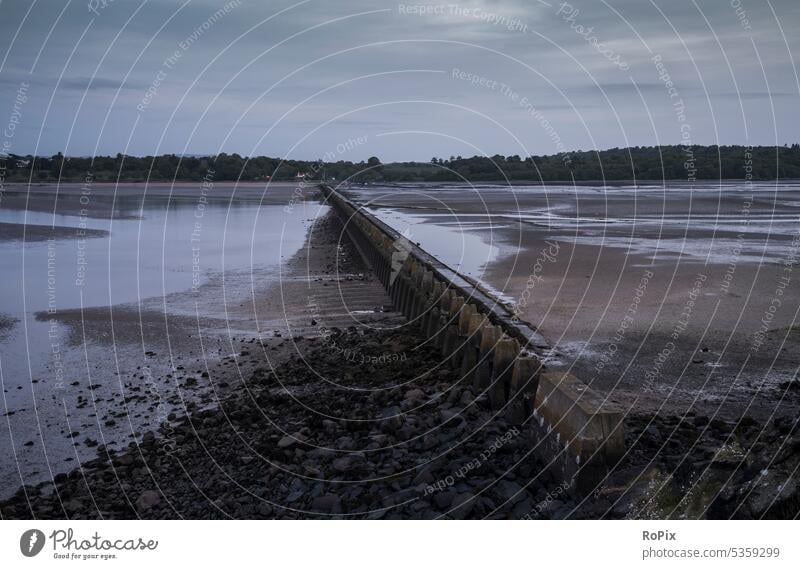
x,y
575,432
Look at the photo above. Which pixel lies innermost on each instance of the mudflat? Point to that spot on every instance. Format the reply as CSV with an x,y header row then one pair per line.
x,y
676,299
32,233
123,200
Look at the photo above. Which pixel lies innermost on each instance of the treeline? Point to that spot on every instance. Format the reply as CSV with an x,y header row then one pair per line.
x,y
168,167
615,164
685,163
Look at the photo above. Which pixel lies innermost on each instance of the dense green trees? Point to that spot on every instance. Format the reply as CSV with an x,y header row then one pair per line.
x,y
616,164
637,163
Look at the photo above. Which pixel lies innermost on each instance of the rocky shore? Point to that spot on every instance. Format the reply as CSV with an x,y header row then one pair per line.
x,y
376,428
389,440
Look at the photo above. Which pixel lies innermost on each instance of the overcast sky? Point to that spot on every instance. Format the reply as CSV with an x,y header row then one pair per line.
x,y
401,81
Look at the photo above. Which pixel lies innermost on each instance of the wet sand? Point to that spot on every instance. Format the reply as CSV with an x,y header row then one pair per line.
x,y
33,233
123,201
6,324
617,296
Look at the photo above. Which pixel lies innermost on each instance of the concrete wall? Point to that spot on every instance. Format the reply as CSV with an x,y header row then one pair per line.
x,y
576,433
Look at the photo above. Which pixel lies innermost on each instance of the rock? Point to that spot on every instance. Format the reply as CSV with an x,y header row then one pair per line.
x,y
444,499
342,464
329,426
425,476
510,492
415,395
448,414
348,462
147,500
289,440
125,460
74,505
392,419
294,496
328,503
462,505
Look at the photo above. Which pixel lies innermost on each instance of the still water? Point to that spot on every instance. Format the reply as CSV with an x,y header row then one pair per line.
x,y
149,249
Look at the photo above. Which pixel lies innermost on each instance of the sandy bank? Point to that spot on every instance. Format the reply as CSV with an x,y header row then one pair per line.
x,y
34,233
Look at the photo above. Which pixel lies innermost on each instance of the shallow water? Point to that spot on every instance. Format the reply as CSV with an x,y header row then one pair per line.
x,y
698,223
155,249
172,260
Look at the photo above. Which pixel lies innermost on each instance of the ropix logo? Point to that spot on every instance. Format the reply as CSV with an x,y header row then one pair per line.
x,y
402,249
31,542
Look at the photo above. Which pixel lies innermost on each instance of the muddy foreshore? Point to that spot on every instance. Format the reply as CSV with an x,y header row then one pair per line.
x,y
364,421
32,233
398,436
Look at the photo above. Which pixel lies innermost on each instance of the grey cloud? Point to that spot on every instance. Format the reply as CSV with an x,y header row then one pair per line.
x,y
388,41
98,84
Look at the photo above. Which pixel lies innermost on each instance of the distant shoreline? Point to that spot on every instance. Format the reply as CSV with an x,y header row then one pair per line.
x,y
16,184
620,165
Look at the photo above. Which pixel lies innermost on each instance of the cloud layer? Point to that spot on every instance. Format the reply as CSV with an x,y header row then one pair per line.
x,y
296,79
